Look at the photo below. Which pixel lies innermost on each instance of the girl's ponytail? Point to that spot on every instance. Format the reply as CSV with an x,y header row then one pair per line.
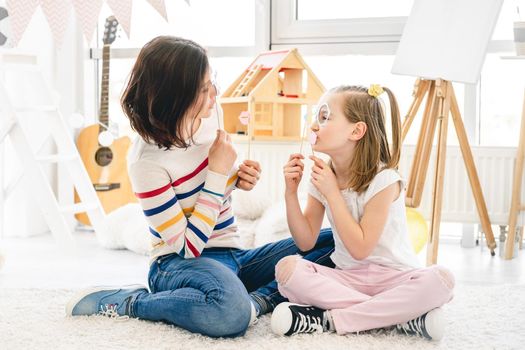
x,y
395,149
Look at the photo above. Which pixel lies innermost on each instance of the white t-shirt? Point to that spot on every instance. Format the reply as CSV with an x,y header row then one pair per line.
x,y
393,248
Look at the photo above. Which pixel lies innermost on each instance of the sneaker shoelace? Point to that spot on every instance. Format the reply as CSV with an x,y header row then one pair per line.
x,y
307,324
110,310
415,326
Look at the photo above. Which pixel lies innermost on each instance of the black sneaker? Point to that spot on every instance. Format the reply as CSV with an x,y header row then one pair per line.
x,y
288,319
430,325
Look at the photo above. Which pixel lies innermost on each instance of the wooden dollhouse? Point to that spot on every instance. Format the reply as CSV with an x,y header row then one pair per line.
x,y
275,91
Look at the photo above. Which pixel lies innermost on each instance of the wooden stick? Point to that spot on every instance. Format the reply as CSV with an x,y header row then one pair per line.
x,y
251,122
217,112
515,204
249,143
303,135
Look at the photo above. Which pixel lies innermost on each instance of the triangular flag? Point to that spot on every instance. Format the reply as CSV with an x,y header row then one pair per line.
x,y
160,6
57,14
20,13
122,11
87,13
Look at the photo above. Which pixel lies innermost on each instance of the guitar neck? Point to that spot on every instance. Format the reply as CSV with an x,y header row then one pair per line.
x,y
104,87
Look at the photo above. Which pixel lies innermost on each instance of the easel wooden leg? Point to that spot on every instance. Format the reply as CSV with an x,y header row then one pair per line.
x,y
420,89
515,206
441,102
443,109
419,168
472,173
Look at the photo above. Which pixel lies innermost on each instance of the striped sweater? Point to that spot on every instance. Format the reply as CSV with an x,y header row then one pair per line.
x,y
187,207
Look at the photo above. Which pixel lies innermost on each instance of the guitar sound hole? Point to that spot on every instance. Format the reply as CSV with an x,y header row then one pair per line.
x,y
103,156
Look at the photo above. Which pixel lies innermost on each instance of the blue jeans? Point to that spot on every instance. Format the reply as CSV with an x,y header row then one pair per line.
x,y
210,294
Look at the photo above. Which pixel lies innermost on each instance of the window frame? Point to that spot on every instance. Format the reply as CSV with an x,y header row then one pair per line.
x,y
287,29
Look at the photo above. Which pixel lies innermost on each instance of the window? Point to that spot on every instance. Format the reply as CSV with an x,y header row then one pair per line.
x,y
501,99
337,21
343,9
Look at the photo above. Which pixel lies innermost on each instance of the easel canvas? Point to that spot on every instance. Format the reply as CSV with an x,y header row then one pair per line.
x,y
446,39
443,41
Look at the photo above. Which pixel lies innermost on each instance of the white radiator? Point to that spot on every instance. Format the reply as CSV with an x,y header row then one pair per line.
x,y
494,165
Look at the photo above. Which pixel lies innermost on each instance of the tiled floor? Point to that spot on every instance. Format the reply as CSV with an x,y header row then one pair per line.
x,y
38,262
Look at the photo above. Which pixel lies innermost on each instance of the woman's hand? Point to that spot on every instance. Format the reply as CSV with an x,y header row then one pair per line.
x,y
323,178
293,172
221,155
249,174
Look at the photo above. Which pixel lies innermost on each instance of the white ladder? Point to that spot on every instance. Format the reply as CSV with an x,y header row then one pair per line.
x,y
12,127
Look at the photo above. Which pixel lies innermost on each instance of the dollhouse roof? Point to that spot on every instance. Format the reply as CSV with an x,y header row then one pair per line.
x,y
270,59
274,62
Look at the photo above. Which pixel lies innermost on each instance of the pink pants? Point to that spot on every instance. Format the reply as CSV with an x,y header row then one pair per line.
x,y
369,296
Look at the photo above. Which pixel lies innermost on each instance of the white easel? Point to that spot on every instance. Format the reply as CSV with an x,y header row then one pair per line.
x,y
23,66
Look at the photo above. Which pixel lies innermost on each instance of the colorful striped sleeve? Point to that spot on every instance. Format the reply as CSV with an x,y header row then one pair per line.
x,y
160,203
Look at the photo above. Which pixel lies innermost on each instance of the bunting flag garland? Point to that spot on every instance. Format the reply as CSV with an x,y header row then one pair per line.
x,y
87,15
160,7
20,12
122,11
57,13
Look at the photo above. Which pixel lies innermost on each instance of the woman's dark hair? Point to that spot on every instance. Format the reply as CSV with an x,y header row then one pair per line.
x,y
163,86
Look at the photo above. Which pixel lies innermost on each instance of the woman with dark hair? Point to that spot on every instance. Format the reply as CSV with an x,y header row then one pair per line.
x,y
183,171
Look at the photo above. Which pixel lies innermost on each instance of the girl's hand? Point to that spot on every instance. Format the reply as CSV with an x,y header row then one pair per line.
x,y
249,173
221,155
323,178
293,172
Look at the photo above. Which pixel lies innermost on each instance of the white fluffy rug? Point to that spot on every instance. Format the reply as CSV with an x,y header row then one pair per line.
x,y
480,317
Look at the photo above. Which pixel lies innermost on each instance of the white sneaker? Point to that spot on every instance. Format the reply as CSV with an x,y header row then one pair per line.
x,y
289,319
430,325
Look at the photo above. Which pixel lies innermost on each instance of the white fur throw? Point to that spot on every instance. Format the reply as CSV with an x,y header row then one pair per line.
x,y
259,223
126,229
250,204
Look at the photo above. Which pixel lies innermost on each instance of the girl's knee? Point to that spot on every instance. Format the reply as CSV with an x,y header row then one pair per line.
x,y
286,267
445,276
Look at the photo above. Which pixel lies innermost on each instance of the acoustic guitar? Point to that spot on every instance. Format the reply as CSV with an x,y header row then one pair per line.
x,y
106,165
